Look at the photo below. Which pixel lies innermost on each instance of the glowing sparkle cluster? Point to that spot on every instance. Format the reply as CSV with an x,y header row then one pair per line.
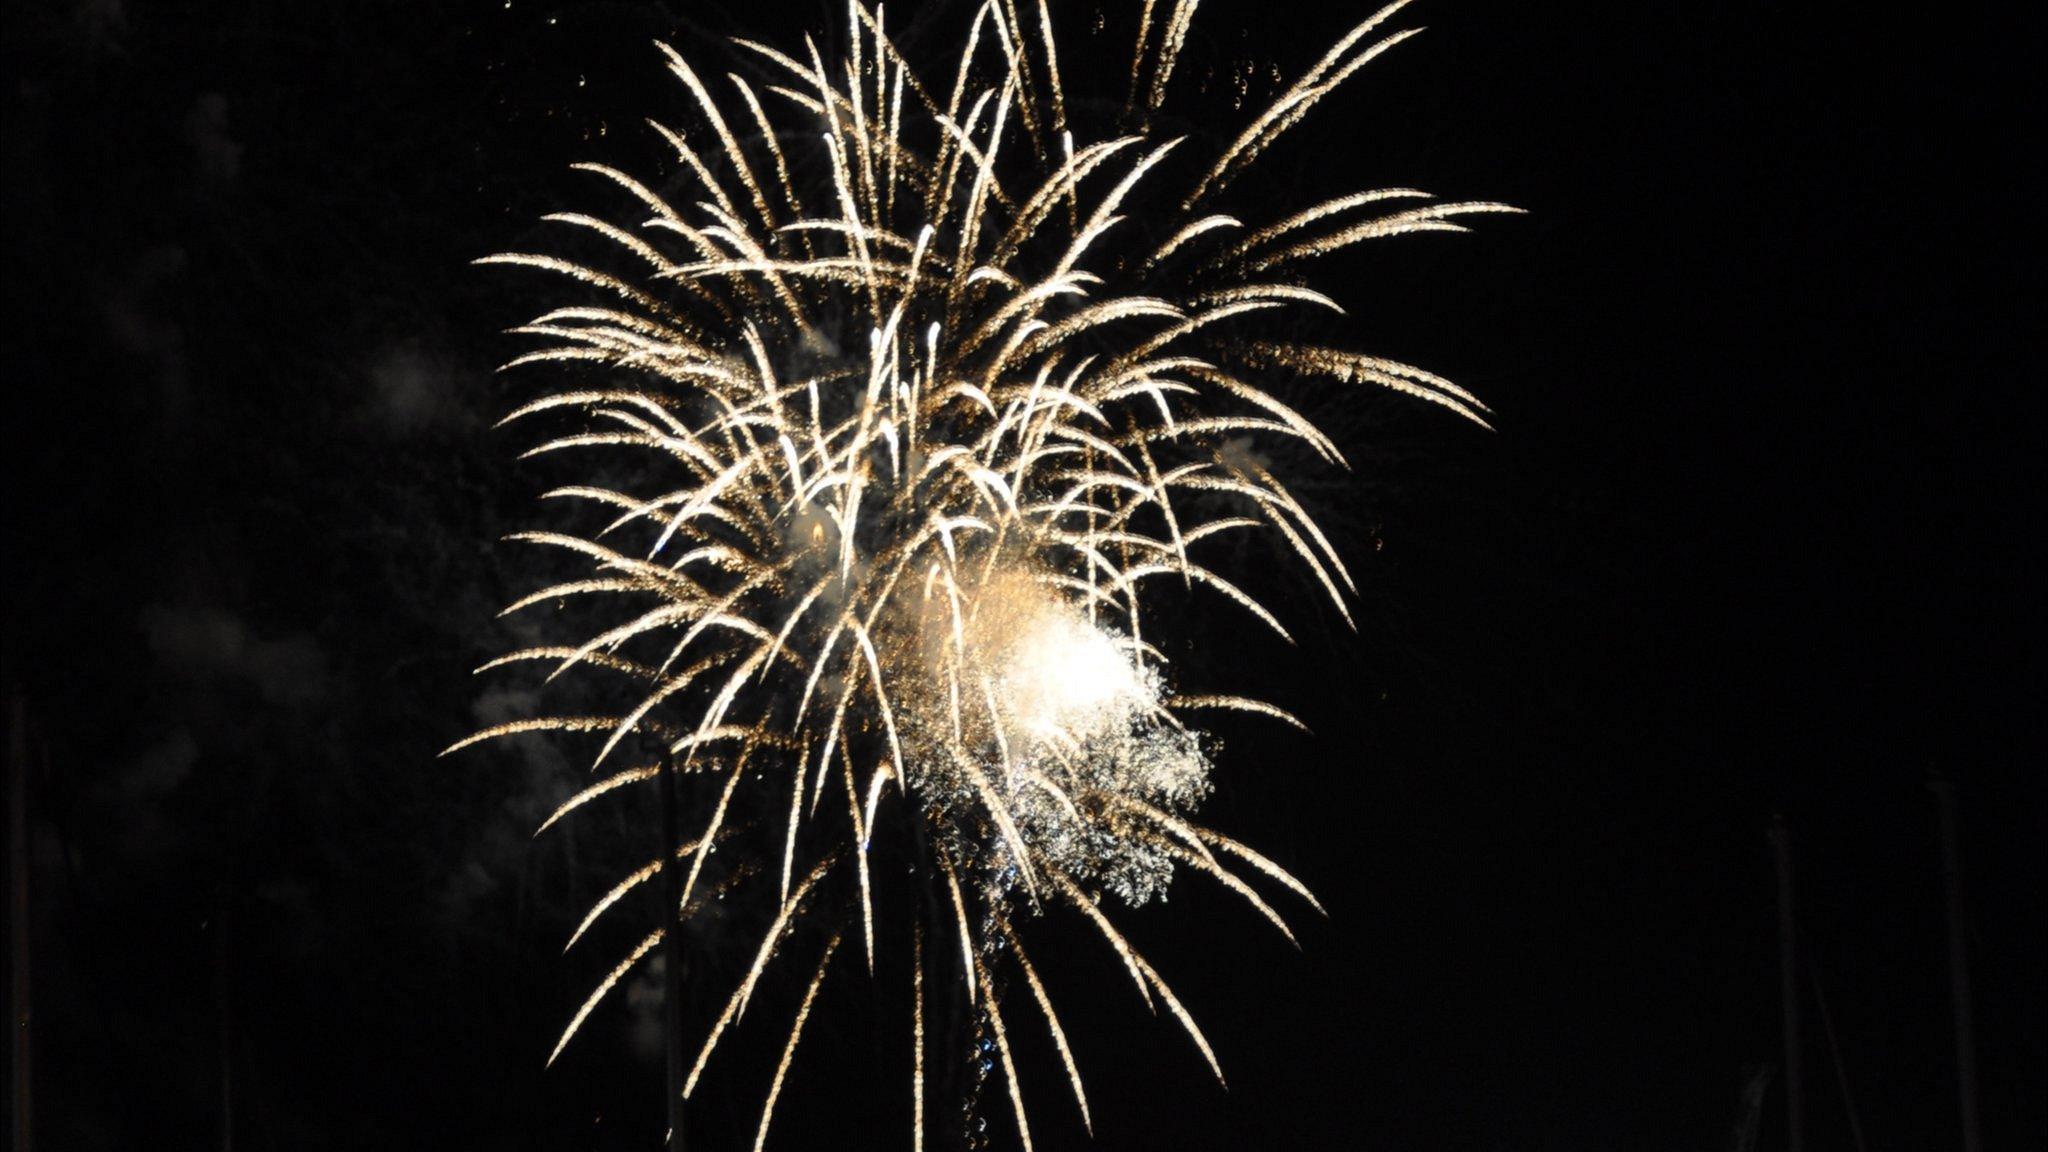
x,y
898,400
1068,710
1063,678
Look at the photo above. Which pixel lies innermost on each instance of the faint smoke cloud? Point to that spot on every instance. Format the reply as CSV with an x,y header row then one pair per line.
x,y
410,388
546,779
130,802
159,770
100,23
135,306
646,1031
216,155
209,643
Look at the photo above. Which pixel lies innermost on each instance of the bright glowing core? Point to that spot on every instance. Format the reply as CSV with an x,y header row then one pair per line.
x,y
1065,676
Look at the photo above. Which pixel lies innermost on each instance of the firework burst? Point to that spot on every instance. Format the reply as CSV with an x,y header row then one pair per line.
x,y
921,387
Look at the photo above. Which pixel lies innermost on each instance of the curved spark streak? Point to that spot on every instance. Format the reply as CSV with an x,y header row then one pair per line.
x,y
928,383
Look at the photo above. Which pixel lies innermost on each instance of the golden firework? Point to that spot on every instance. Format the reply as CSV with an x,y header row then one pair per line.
x,y
926,391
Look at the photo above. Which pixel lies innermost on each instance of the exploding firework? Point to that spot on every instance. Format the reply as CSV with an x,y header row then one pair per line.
x,y
917,387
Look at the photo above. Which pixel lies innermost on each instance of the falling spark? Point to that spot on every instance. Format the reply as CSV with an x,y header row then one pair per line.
x,y
938,412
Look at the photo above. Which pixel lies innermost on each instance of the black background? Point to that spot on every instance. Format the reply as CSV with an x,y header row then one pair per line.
x,y
1758,532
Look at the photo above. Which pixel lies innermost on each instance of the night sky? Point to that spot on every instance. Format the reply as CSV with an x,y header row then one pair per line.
x,y
1758,533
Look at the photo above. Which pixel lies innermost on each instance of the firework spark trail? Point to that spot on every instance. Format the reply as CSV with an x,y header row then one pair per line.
x,y
940,416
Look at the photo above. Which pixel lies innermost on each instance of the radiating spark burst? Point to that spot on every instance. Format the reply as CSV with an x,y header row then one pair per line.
x,y
945,387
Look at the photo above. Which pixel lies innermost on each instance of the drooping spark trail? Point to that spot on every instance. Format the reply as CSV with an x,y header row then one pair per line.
x,y
942,388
